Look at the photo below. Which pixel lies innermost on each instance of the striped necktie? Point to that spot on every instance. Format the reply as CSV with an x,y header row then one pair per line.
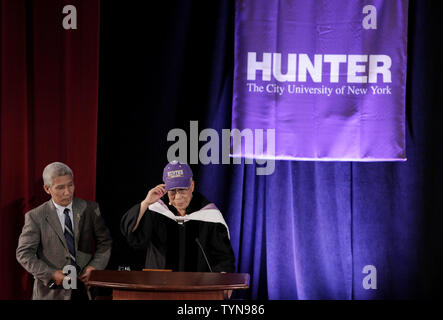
x,y
69,235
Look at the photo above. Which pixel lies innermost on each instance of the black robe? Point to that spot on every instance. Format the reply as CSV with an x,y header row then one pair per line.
x,y
170,245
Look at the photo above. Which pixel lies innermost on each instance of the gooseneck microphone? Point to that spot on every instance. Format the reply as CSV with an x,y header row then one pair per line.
x,y
204,255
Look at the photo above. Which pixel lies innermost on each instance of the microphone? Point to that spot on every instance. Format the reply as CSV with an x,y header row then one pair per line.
x,y
204,255
52,285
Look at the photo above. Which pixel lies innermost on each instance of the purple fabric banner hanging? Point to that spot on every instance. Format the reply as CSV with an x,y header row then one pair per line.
x,y
329,76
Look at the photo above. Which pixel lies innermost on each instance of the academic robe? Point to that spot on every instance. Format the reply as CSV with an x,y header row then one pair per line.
x,y
171,240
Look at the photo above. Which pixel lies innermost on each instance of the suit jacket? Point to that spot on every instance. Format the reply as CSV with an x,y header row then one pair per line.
x,y
42,247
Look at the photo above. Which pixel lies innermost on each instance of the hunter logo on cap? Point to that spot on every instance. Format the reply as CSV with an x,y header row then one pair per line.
x,y
175,174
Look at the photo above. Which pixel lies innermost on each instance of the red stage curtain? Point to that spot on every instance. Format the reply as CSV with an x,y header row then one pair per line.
x,y
48,112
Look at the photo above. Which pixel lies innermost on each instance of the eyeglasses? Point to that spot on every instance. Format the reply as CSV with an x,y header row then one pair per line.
x,y
182,192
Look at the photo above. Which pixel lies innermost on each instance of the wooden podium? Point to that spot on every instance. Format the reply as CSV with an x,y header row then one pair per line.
x,y
158,285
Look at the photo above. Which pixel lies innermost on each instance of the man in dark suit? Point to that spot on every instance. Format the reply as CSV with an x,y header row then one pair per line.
x,y
63,233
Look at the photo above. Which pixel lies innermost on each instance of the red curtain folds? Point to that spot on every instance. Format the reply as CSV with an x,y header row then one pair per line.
x,y
48,112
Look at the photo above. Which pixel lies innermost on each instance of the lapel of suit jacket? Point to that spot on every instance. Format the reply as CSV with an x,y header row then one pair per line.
x,y
54,221
78,207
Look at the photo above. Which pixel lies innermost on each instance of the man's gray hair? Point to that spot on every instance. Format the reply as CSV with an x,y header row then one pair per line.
x,y
54,170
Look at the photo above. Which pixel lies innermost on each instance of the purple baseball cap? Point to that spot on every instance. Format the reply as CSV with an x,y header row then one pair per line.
x,y
177,175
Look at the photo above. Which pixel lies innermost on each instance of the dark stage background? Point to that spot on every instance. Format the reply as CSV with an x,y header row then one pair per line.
x,y
305,232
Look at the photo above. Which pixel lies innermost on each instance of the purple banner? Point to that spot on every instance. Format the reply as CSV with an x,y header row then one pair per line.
x,y
327,77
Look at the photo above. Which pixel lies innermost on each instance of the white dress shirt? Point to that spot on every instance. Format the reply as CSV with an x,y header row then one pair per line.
x,y
61,215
